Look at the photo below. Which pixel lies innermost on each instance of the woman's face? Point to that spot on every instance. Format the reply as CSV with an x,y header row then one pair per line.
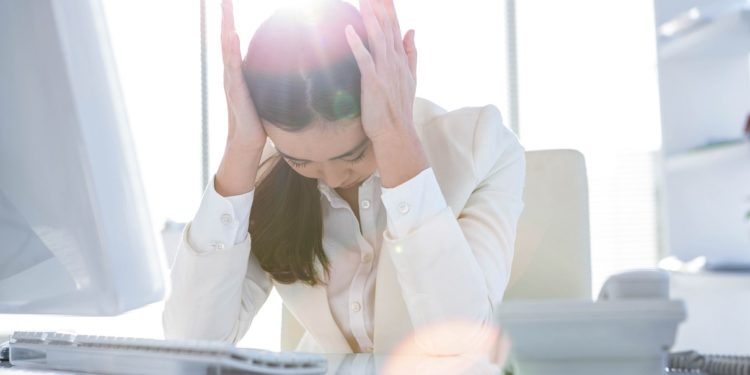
x,y
337,153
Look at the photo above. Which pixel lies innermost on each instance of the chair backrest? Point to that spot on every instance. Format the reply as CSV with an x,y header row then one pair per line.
x,y
552,254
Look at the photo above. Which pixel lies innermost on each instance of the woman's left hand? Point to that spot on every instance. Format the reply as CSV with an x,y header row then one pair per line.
x,y
389,81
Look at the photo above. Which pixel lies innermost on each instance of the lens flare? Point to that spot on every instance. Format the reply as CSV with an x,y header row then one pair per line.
x,y
344,105
451,347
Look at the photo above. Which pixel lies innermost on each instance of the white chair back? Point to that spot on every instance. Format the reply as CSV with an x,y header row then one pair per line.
x,y
552,257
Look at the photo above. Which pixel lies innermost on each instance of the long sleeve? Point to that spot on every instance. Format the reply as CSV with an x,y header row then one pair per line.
x,y
217,287
455,269
412,203
220,221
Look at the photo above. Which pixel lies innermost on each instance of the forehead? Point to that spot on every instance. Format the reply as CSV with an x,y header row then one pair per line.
x,y
319,141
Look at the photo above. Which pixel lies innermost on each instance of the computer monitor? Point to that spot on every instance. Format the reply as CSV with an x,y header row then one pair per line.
x,y
75,234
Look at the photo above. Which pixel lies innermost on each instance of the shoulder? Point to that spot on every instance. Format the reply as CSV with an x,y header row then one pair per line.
x,y
465,146
476,136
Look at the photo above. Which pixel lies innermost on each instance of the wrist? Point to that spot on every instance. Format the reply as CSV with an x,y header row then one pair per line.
x,y
247,145
400,157
238,170
386,133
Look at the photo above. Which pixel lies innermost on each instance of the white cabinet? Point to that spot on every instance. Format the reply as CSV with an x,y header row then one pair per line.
x,y
704,86
718,305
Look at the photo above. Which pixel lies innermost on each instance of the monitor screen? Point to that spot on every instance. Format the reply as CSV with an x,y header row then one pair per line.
x,y
75,234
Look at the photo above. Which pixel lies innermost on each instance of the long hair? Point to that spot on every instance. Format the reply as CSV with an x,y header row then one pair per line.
x,y
299,69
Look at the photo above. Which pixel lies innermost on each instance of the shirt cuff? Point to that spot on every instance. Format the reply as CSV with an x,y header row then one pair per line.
x,y
221,222
412,203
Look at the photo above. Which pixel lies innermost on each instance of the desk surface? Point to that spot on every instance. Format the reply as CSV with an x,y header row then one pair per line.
x,y
718,306
368,364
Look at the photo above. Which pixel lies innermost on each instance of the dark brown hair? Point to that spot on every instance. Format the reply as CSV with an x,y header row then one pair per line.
x,y
299,69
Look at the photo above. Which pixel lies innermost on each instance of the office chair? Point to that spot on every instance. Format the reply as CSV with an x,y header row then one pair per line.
x,y
552,252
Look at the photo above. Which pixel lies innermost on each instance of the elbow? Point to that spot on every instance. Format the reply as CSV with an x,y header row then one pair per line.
x,y
184,326
461,336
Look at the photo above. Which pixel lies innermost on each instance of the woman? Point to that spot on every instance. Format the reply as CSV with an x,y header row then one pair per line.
x,y
381,219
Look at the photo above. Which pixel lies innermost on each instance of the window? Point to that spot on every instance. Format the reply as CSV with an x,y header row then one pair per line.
x,y
588,81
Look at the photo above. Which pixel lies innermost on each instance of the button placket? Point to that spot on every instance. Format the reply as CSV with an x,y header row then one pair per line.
x,y
368,214
358,310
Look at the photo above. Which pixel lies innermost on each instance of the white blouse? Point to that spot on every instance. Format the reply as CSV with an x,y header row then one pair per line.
x,y
440,245
353,254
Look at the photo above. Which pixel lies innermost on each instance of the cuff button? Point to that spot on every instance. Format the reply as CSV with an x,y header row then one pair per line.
x,y
226,219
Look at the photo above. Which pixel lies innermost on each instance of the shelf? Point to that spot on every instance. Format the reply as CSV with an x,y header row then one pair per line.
x,y
695,33
708,156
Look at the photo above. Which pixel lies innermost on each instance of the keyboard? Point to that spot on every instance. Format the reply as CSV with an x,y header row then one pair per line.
x,y
124,355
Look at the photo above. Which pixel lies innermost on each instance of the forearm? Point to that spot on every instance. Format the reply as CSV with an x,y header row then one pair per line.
x,y
443,285
217,286
238,169
206,295
399,156
438,274
441,269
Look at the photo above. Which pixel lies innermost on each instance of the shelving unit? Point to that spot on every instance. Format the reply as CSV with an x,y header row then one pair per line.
x,y
706,158
695,32
704,85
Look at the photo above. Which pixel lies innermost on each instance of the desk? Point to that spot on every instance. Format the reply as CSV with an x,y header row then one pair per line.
x,y
370,364
718,312
383,364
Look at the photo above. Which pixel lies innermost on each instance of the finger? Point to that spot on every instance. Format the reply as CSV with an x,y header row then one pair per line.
x,y
395,25
374,32
230,51
227,17
228,34
363,57
385,22
234,80
411,52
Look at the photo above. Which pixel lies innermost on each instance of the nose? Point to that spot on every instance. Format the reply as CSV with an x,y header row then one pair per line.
x,y
333,176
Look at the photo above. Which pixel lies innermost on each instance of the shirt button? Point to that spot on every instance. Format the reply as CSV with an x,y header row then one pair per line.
x,y
365,204
367,258
403,208
226,219
356,306
218,246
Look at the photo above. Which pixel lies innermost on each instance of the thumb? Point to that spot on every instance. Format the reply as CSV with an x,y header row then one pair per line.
x,y
411,52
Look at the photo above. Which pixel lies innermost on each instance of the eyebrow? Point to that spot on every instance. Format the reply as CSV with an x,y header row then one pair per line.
x,y
348,153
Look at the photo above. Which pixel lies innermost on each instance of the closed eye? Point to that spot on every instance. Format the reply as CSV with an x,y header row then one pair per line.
x,y
359,157
302,163
296,163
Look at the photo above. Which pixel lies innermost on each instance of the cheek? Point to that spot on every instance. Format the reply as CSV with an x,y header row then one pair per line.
x,y
367,166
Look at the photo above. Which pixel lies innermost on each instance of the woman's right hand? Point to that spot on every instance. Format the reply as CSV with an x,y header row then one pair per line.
x,y
246,136
244,124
